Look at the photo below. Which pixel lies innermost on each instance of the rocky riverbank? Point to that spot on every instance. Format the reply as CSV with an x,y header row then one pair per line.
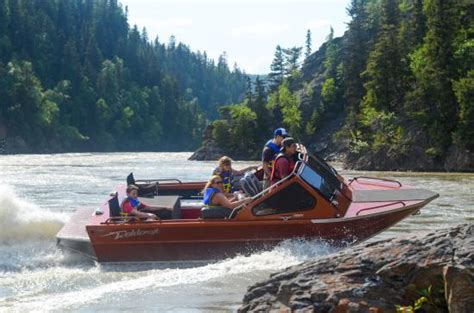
x,y
336,149
377,276
457,160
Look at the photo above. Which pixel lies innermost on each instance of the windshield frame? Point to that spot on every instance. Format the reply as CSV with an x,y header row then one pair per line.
x,y
329,182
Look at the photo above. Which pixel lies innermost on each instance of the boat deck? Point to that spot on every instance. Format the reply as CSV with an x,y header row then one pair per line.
x,y
73,236
77,230
392,195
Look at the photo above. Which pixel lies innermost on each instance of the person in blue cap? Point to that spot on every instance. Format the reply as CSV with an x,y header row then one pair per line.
x,y
270,151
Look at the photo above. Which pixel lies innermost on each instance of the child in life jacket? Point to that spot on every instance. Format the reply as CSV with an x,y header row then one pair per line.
x,y
227,174
132,206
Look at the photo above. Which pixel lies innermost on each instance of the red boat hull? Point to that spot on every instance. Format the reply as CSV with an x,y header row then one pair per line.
x,y
198,240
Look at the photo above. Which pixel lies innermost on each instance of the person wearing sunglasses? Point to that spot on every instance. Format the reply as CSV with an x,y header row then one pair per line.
x,y
214,197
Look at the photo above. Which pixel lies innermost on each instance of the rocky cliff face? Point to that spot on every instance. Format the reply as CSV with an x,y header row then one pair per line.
x,y
377,276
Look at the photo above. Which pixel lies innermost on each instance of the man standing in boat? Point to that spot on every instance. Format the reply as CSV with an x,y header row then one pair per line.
x,y
270,151
285,161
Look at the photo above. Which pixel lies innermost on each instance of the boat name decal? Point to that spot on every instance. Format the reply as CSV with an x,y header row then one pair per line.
x,y
123,234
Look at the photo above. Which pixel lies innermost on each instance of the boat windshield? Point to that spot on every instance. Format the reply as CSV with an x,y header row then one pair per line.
x,y
321,176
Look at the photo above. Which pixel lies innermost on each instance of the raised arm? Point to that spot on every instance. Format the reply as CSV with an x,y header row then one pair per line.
x,y
244,170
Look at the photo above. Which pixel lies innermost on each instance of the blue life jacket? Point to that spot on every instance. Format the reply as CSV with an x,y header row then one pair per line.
x,y
227,180
275,149
208,195
135,203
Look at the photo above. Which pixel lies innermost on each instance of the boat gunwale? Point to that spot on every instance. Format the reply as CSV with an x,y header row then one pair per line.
x,y
234,222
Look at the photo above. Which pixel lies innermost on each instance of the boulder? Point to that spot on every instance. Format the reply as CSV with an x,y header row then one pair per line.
x,y
377,276
210,150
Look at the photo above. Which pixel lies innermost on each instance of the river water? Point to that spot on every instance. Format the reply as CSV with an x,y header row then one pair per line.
x,y
38,193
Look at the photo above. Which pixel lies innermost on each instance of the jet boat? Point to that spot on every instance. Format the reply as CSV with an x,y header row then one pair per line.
x,y
314,202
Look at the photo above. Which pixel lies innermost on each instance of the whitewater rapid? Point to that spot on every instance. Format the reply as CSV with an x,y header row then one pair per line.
x,y
21,220
38,194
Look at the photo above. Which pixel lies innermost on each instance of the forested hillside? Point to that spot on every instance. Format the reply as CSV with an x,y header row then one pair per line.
x,y
74,76
395,92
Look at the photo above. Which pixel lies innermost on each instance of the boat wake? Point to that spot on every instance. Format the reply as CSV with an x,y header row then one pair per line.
x,y
36,276
21,220
95,286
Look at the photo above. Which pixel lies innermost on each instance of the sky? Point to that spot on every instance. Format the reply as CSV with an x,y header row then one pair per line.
x,y
247,30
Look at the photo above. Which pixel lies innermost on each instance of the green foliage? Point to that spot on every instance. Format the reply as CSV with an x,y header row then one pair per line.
x,y
292,56
331,55
236,134
221,133
75,76
277,67
428,301
402,76
379,131
434,69
413,59
286,64
464,91
358,145
289,105
328,93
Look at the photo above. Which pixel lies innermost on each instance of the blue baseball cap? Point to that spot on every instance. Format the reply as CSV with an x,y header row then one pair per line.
x,y
280,132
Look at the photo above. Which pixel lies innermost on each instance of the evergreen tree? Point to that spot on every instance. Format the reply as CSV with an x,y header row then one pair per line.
x,y
356,55
308,43
4,40
434,69
388,76
258,106
122,88
277,69
385,74
222,62
292,56
330,56
464,90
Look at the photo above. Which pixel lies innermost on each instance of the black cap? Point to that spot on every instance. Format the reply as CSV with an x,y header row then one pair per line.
x,y
287,142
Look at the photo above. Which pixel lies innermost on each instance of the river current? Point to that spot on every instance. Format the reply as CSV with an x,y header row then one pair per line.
x,y
38,193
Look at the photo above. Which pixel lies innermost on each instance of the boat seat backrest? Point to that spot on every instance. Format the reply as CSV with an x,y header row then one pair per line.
x,y
148,190
250,184
144,190
130,179
114,206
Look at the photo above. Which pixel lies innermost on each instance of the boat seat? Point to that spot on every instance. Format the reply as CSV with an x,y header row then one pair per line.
x,y
114,206
144,190
169,201
217,212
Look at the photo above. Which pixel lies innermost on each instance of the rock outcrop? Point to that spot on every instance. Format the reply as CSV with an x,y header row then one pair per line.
x,y
210,150
377,276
